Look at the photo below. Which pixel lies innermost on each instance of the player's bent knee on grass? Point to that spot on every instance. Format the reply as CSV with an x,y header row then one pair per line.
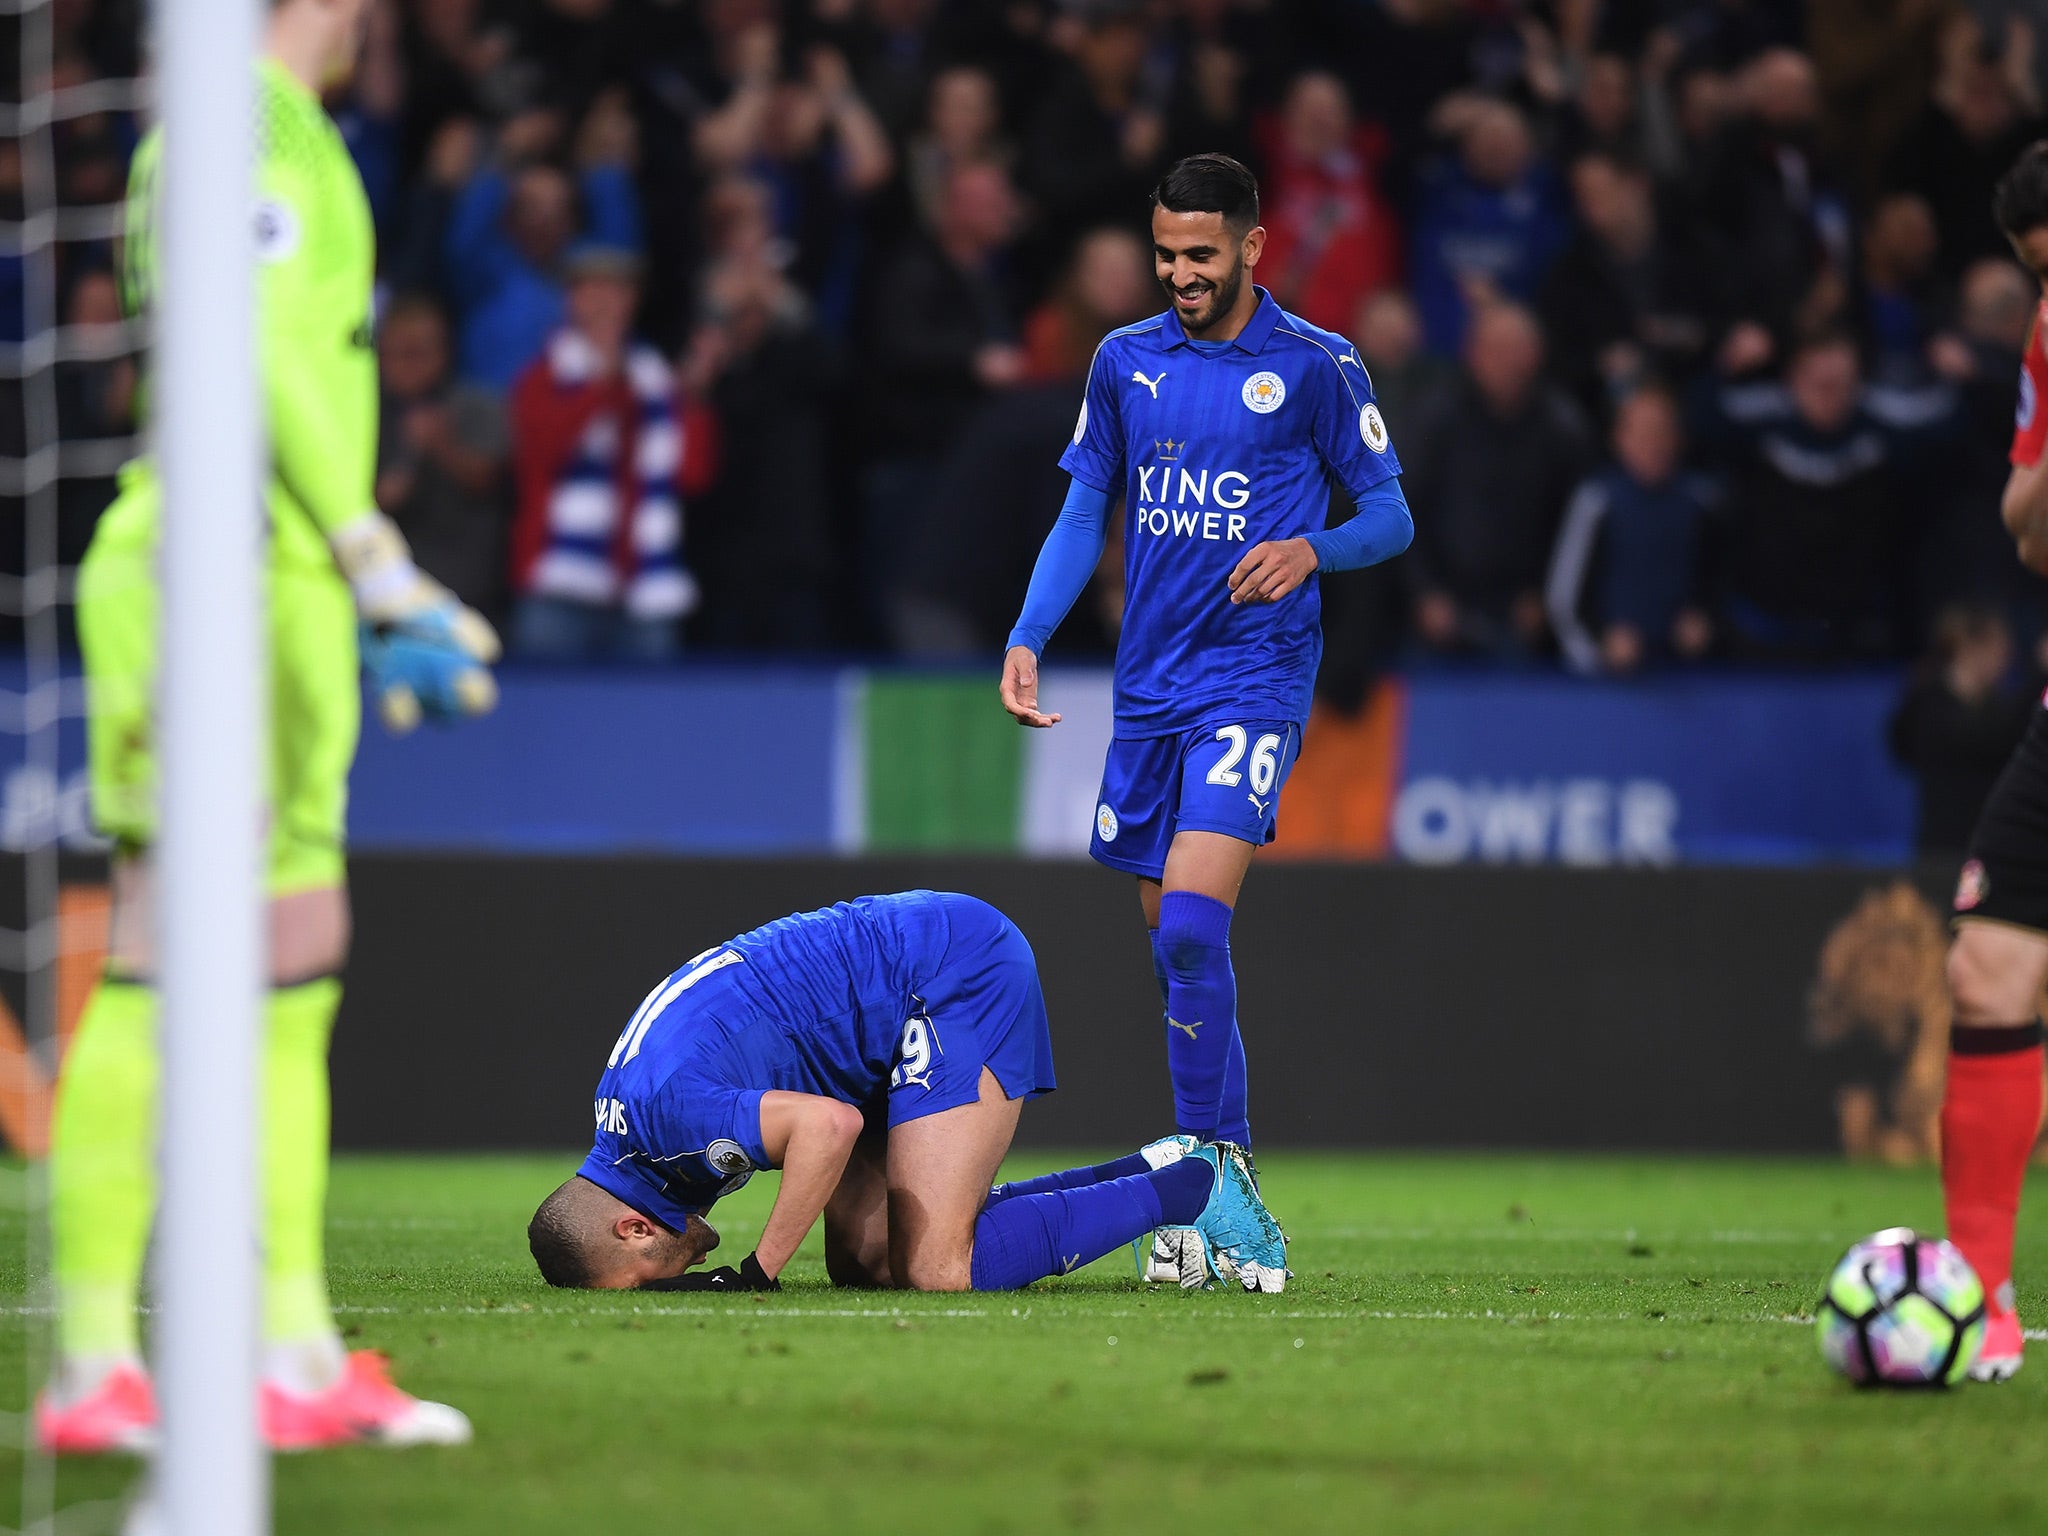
x,y
857,1219
940,1169
854,1266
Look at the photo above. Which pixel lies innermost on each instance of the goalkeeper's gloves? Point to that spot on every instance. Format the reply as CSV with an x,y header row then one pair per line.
x,y
414,679
426,653
750,1276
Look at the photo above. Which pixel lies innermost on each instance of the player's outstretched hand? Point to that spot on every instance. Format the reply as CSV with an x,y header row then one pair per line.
x,y
1020,688
1269,571
750,1276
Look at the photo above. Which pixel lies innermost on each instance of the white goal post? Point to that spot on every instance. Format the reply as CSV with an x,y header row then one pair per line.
x,y
213,1474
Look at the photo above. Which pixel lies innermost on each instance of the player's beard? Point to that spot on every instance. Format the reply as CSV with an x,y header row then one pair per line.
x,y
1222,301
675,1252
681,1250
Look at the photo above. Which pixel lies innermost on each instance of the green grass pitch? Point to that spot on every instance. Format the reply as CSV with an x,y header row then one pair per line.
x,y
1472,1344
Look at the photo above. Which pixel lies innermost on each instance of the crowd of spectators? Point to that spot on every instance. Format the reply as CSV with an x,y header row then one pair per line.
x,y
757,325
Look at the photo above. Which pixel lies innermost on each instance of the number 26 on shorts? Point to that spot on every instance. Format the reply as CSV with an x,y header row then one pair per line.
x,y
1264,766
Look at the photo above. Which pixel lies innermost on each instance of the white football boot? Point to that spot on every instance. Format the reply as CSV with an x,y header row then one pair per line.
x,y
1176,1255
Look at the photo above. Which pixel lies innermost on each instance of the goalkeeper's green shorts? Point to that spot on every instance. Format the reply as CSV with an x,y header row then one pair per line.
x,y
315,701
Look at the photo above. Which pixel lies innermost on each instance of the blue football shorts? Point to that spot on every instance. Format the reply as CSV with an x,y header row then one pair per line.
x,y
1224,777
982,1008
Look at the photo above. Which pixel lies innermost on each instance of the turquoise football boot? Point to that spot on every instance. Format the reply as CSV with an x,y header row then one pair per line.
x,y
1245,1242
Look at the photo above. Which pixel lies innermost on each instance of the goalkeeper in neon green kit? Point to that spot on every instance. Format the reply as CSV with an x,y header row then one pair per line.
x,y
336,566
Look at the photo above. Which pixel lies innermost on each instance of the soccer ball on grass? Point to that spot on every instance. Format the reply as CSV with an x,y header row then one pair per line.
x,y
1901,1310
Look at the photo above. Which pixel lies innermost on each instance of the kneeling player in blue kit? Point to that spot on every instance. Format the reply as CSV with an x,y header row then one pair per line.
x,y
878,1053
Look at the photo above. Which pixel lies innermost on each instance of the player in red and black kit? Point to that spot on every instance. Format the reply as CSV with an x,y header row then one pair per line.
x,y
1991,1110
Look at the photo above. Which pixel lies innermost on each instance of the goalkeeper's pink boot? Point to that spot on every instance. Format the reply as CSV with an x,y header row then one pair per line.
x,y
297,1421
364,1407
2004,1346
117,1415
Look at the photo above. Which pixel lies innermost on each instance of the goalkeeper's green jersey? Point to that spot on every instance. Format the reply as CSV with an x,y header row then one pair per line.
x,y
316,261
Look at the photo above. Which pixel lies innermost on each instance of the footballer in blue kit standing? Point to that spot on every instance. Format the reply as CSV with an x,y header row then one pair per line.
x,y
878,1053
1223,426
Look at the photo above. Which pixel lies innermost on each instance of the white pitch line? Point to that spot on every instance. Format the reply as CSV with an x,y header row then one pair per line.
x,y
1370,1314
767,1313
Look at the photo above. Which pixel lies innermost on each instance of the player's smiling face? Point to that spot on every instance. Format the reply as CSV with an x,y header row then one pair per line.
x,y
1202,266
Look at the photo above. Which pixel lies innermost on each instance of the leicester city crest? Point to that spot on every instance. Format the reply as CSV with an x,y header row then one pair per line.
x,y
1264,392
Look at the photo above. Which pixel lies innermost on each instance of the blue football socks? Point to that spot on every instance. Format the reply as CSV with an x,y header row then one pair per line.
x,y
1235,1124
1028,1237
1071,1178
1201,1007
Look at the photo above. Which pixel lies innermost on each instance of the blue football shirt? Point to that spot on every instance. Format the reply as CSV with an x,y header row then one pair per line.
x,y
814,1003
1213,451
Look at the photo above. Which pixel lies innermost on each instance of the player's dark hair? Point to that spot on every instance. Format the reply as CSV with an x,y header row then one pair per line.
x,y
560,1239
1211,184
2021,201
